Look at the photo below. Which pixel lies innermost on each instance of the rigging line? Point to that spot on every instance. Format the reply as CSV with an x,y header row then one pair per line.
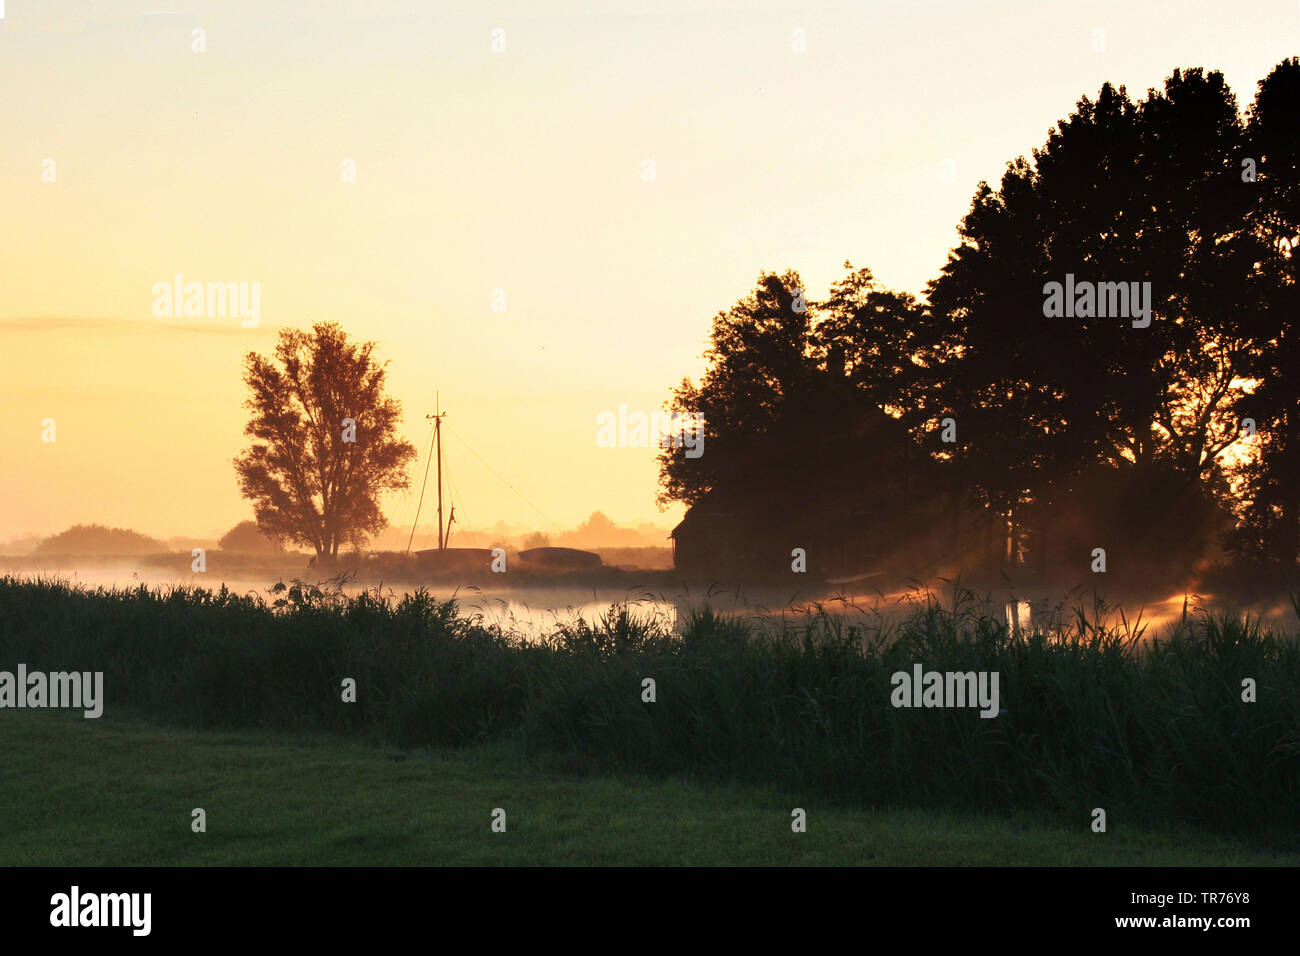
x,y
499,478
406,497
416,522
428,458
455,492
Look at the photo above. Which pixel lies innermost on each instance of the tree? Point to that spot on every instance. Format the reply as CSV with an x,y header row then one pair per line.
x,y
325,443
598,524
882,342
760,370
97,539
1269,481
1122,192
807,406
790,380
245,536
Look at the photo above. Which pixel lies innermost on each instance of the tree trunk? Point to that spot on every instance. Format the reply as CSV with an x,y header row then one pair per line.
x,y
1288,535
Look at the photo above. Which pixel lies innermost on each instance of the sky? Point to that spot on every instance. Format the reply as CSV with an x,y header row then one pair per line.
x,y
608,175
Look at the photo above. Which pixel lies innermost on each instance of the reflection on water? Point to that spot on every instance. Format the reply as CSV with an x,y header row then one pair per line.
x,y
535,611
527,611
1020,616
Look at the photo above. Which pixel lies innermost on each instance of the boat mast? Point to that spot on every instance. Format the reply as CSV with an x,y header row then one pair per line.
x,y
437,417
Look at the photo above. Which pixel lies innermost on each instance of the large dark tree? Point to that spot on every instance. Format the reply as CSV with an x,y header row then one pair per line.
x,y
806,407
1121,192
791,379
1087,423
325,443
881,342
760,371
1270,478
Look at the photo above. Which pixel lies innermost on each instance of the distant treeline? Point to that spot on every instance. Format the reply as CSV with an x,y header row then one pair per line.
x,y
92,540
95,539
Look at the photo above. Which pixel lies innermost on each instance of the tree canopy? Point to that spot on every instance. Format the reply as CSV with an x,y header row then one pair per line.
x,y
325,444
1176,208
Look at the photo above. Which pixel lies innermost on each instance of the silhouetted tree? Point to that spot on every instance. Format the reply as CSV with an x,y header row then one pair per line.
x,y
98,539
807,445
882,342
1121,192
246,536
1056,415
760,366
1270,479
325,440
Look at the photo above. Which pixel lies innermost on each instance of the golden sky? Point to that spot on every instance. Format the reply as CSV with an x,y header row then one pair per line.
x,y
519,170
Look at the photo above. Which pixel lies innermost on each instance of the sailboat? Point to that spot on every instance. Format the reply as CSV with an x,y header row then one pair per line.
x,y
443,558
546,561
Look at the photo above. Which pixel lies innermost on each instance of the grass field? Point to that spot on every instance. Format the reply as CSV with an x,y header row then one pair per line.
x,y
1160,735
120,791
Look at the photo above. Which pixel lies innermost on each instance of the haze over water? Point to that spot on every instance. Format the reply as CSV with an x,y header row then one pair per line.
x,y
537,610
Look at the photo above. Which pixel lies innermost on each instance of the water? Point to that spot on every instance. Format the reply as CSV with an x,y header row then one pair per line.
x,y
530,611
534,611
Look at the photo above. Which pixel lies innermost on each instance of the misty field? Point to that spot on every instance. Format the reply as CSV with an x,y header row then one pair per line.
x,y
1154,732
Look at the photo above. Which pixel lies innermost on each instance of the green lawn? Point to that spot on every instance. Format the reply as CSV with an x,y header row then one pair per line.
x,y
117,791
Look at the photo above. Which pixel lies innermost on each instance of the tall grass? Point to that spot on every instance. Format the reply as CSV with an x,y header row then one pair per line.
x,y
1094,715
